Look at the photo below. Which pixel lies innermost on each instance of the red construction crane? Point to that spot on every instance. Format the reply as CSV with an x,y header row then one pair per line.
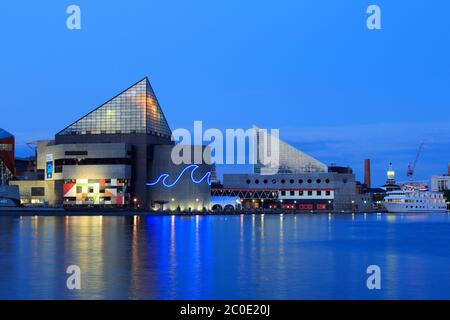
x,y
412,168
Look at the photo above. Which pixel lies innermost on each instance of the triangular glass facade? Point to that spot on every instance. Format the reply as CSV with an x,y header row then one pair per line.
x,y
291,160
135,110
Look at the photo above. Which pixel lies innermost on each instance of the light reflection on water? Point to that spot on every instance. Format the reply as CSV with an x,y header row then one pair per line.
x,y
226,257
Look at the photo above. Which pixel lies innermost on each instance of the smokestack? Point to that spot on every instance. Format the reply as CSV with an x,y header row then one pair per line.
x,y
367,179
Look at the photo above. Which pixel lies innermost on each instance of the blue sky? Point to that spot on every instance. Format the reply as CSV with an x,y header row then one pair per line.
x,y
310,68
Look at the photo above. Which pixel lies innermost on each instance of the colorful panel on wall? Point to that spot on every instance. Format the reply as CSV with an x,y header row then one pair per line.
x,y
96,192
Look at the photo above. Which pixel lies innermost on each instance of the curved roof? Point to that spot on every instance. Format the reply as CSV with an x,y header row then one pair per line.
x,y
5,134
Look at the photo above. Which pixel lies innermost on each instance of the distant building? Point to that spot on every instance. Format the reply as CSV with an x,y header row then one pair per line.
x,y
7,164
108,157
9,196
391,184
441,183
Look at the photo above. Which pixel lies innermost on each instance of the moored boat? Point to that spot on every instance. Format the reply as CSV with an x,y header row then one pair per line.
x,y
414,199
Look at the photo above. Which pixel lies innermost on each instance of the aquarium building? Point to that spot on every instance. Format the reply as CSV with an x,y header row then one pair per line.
x,y
110,157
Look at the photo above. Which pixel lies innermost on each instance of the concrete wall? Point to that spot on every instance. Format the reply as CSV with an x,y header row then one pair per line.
x,y
440,183
185,194
26,197
94,150
41,153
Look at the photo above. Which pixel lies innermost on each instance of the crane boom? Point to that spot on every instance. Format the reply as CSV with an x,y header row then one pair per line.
x,y
412,168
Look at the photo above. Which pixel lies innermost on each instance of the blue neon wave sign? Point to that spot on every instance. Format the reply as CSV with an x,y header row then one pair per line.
x,y
163,178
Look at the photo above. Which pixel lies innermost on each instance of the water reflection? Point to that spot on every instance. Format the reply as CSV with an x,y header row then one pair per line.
x,y
225,257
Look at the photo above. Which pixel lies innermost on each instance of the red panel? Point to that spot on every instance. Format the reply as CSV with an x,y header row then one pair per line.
x,y
67,187
8,156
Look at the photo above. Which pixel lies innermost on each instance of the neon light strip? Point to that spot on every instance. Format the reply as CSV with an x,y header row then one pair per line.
x,y
166,176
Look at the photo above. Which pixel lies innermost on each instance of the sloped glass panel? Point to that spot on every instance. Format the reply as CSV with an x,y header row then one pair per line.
x,y
291,160
136,110
156,121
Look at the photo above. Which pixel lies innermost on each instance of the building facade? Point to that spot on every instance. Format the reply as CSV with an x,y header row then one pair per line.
x,y
325,191
7,164
107,158
300,183
441,183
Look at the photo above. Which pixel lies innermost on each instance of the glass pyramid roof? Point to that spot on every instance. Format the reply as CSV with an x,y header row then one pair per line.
x,y
135,110
291,160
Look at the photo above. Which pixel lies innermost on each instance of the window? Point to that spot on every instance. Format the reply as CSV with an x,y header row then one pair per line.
x,y
319,193
283,181
76,153
257,181
300,193
79,189
328,193
318,181
265,181
274,181
300,181
93,161
283,193
248,181
37,192
310,193
5,147
327,181
292,181
292,193
321,207
309,181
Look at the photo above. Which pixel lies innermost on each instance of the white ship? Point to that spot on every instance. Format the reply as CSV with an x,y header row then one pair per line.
x,y
413,199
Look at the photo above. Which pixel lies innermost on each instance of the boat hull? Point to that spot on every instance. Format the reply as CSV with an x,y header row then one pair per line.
x,y
401,208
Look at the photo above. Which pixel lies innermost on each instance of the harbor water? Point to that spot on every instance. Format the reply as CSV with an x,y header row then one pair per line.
x,y
315,256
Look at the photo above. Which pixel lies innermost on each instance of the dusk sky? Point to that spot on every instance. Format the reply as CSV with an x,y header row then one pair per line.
x,y
311,68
